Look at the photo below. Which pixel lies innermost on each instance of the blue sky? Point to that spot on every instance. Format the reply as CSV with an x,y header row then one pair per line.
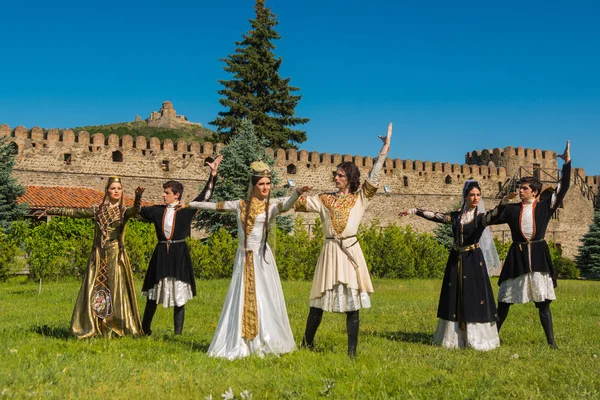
x,y
452,76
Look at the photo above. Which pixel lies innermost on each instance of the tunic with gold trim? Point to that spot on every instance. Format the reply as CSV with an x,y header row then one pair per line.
x,y
341,281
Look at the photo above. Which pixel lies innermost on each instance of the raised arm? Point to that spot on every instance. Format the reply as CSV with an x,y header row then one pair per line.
x,y
137,203
207,192
565,179
374,174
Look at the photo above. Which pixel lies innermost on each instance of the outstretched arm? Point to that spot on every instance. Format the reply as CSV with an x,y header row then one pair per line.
x,y
66,212
222,206
439,217
289,203
496,215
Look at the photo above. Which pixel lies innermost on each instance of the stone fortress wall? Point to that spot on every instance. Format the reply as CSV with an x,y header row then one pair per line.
x,y
67,158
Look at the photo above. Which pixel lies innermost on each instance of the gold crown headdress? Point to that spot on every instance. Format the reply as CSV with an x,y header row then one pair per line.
x,y
260,168
112,179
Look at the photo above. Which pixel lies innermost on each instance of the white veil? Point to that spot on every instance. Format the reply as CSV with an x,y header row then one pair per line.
x,y
486,242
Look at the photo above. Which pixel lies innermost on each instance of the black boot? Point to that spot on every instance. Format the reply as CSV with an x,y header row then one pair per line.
x,y
148,315
178,317
546,320
352,323
502,314
312,324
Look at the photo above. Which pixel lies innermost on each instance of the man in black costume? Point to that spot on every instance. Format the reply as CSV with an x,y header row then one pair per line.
x,y
170,277
528,274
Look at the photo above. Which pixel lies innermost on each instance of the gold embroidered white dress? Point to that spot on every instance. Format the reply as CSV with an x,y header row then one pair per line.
x,y
254,317
341,281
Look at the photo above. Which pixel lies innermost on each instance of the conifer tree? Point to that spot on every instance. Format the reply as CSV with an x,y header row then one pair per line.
x,y
257,92
234,177
9,187
588,259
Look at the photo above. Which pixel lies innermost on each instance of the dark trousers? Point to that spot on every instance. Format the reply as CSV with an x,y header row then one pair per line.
x,y
545,318
150,310
314,320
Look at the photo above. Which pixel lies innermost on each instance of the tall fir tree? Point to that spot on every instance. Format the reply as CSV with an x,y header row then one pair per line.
x,y
9,187
588,259
257,92
234,177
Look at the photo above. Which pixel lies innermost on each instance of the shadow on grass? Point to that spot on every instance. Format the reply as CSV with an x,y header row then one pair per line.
x,y
191,344
410,337
56,332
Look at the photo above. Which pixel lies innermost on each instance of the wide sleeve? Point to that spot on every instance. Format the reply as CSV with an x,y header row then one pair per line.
x,y
561,190
72,212
433,216
207,192
371,184
221,206
308,204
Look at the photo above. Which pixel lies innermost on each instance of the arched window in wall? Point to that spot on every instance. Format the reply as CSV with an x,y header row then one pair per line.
x,y
291,169
117,156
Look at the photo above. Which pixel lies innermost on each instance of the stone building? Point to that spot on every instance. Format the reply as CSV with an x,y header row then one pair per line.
x,y
53,158
167,117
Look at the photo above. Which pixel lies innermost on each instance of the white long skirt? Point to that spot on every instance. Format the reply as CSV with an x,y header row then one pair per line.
x,y
478,336
274,331
534,286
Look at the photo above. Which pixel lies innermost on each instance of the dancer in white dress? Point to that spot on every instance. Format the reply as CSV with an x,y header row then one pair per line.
x,y
254,318
341,281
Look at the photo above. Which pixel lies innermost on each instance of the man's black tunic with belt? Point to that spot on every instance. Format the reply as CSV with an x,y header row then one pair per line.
x,y
531,255
171,257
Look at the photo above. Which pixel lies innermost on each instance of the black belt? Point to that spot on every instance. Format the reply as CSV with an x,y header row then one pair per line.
x,y
531,241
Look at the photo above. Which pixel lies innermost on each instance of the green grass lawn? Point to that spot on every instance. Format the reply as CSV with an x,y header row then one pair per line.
x,y
38,357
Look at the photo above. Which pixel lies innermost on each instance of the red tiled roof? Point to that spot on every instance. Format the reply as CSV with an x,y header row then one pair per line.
x,y
60,196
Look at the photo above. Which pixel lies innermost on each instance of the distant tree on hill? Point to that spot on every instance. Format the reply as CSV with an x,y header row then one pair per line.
x,y
588,259
9,187
257,92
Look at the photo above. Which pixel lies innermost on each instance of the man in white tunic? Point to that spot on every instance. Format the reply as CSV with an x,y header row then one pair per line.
x,y
528,274
341,281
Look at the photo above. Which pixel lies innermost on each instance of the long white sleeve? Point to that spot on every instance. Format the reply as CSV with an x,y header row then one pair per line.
x,y
289,204
375,173
202,205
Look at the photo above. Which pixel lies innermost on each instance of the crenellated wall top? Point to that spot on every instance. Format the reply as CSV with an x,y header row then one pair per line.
x,y
283,157
521,152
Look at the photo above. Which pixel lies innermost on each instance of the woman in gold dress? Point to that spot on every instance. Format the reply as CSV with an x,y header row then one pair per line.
x,y
107,303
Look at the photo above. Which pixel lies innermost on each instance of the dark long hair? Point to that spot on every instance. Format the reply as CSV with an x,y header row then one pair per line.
x,y
352,174
254,181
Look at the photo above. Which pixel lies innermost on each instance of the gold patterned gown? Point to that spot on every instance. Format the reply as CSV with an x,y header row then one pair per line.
x,y
107,302
254,317
341,281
